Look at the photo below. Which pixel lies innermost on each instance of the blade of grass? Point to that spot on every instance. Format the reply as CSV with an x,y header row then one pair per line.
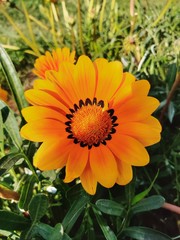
x,y
31,34
162,13
12,79
17,29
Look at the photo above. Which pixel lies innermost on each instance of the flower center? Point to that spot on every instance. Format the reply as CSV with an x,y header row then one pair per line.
x,y
89,124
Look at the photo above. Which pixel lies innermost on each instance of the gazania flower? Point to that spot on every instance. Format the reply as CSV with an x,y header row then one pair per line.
x,y
52,61
3,95
92,119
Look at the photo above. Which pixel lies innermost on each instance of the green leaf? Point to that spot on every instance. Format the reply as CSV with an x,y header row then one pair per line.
x,y
144,233
108,233
147,204
74,212
12,79
11,125
38,207
37,229
171,111
141,195
8,161
58,233
26,191
110,207
11,221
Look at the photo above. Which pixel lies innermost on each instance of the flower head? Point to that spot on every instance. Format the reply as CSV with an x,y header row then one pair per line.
x,y
3,95
92,119
52,61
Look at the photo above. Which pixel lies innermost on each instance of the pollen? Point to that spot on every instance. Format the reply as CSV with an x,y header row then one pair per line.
x,y
91,124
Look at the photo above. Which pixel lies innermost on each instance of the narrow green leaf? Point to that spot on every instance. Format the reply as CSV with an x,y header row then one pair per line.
x,y
147,204
141,195
12,79
1,137
26,191
8,161
10,124
11,221
108,233
5,112
171,111
38,207
110,207
144,233
74,212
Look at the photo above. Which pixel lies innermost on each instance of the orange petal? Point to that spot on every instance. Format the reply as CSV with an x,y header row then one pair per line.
x,y
103,165
85,81
52,154
145,133
135,109
33,113
125,173
128,150
88,180
49,62
140,88
76,162
65,81
109,78
41,98
39,131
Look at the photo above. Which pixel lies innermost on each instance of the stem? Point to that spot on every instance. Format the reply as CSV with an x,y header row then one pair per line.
x,y
30,166
169,97
171,207
102,16
80,26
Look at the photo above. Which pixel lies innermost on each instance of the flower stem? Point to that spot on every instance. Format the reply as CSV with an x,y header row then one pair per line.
x,y
169,97
171,207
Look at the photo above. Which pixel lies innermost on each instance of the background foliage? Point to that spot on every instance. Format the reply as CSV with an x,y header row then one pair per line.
x,y
144,35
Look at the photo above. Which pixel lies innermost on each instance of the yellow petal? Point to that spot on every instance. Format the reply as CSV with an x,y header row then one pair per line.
x,y
85,80
125,89
52,154
77,161
33,113
41,98
39,131
140,88
109,78
88,180
125,173
128,150
103,165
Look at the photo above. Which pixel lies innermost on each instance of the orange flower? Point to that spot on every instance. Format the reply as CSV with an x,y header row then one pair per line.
x,y
52,62
3,95
93,119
